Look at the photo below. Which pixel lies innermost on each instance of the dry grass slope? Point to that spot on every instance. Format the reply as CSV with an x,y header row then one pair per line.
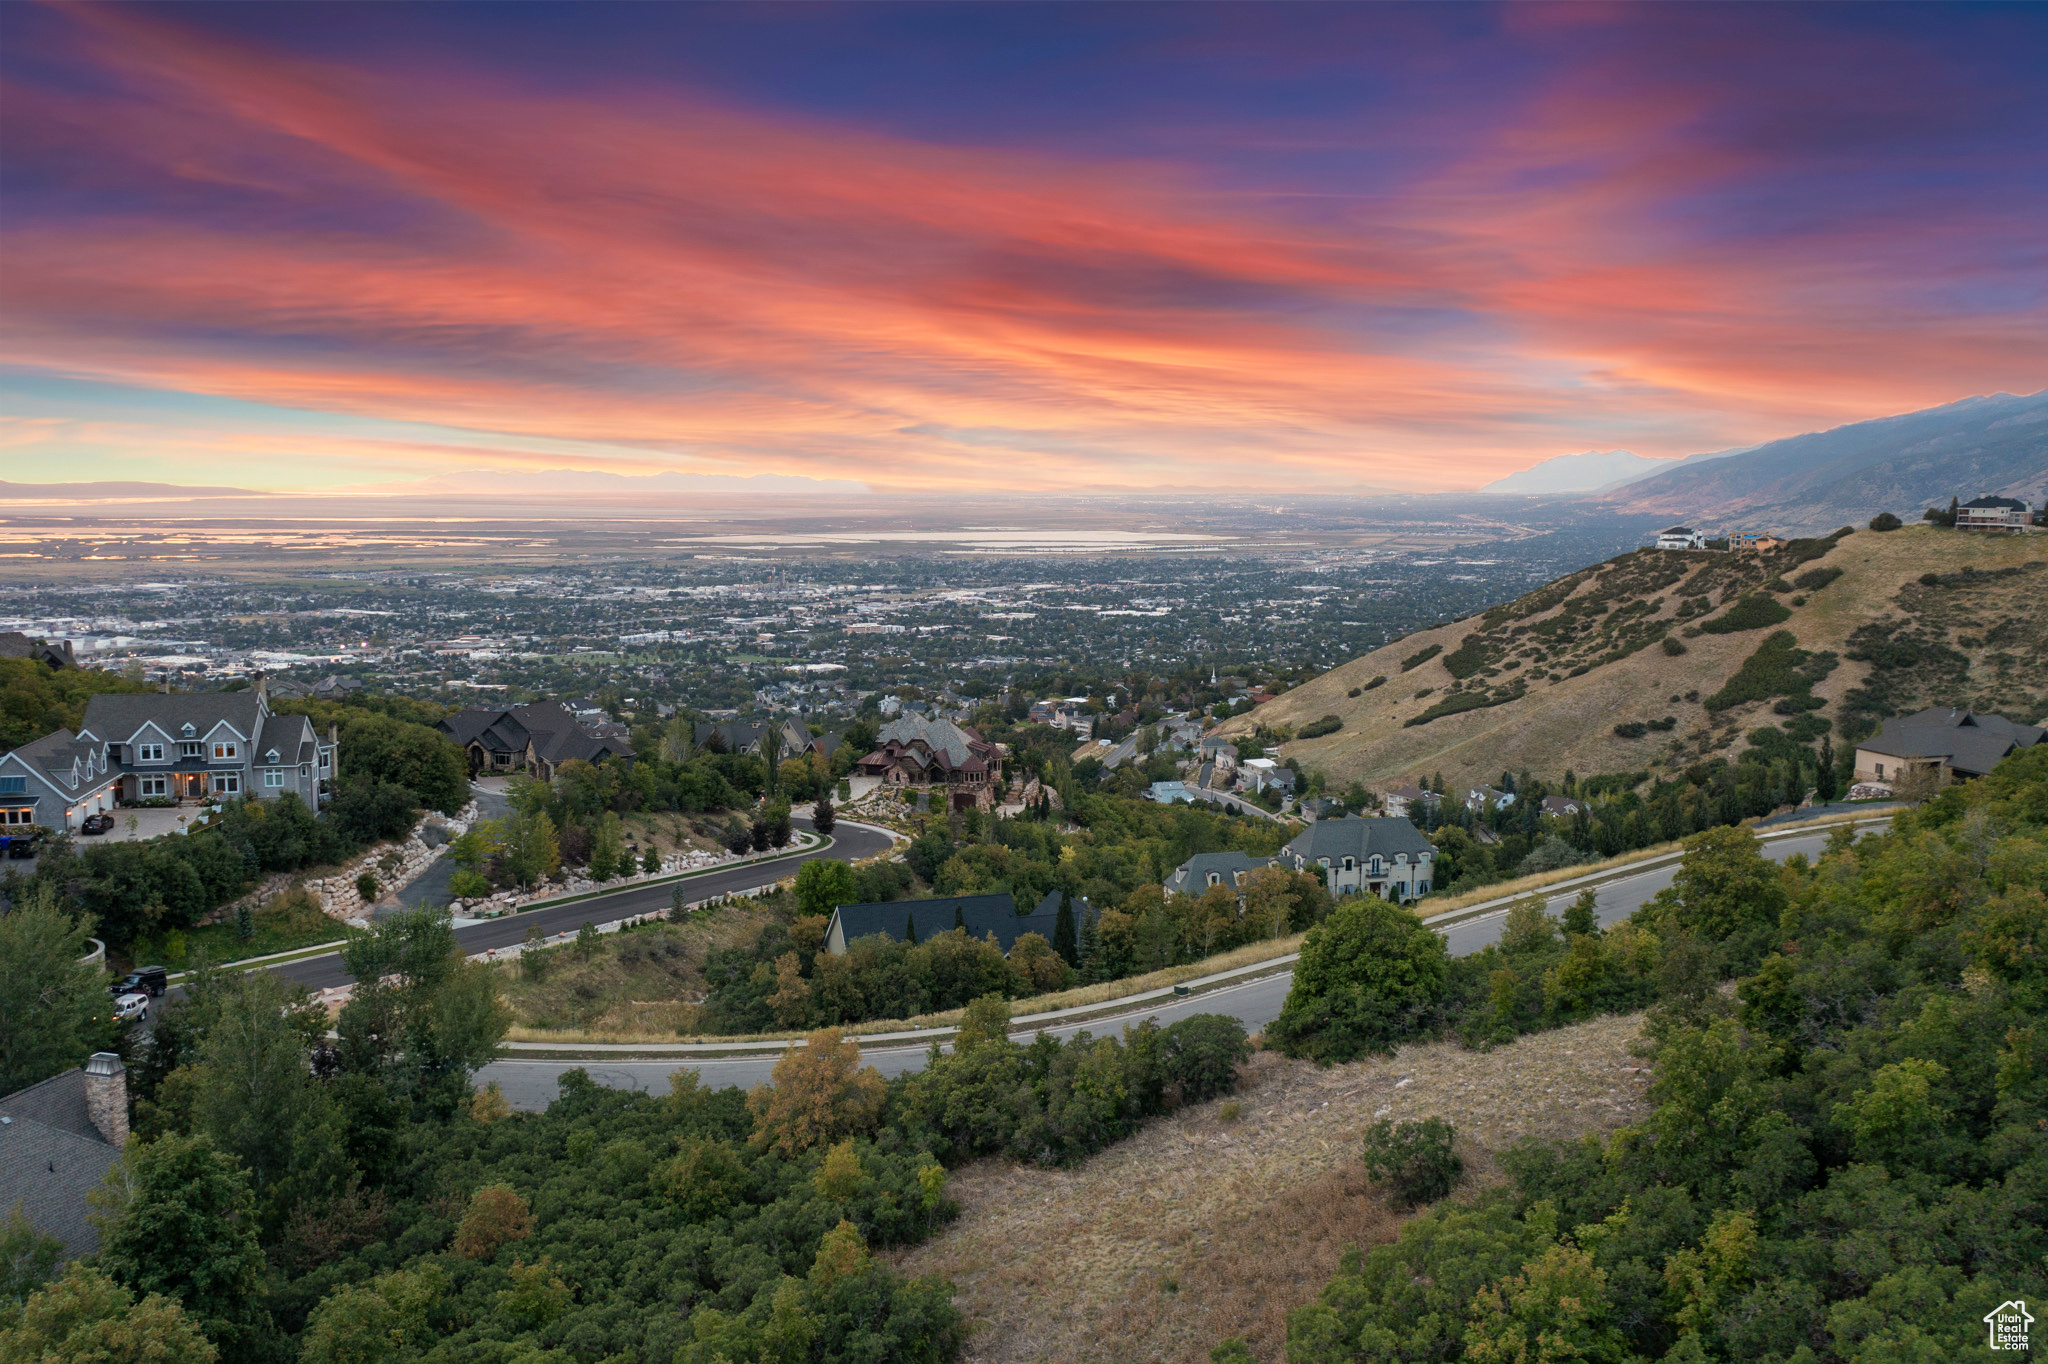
x,y
1562,721
1200,1228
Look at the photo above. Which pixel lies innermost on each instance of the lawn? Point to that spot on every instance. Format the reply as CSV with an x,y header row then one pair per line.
x,y
291,920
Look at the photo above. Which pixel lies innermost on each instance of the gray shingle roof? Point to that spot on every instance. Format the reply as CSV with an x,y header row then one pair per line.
x,y
1973,744
57,754
113,717
941,736
51,1158
1359,838
1192,876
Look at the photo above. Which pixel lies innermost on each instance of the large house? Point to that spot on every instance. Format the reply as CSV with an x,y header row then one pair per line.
x,y
1992,513
789,736
1409,796
58,1140
1681,537
922,920
1952,742
536,738
1204,870
1387,857
190,745
55,782
913,751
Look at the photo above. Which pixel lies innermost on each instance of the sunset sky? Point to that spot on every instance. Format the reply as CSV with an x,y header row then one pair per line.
x,y
1035,247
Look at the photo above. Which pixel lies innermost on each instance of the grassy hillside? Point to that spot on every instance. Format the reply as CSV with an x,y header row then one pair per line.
x,y
1541,682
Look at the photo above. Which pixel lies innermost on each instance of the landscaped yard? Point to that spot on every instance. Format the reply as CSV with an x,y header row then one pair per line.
x,y
291,920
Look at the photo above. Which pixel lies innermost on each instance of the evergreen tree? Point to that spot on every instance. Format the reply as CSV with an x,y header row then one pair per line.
x,y
823,817
1824,778
1091,944
959,918
910,927
1063,940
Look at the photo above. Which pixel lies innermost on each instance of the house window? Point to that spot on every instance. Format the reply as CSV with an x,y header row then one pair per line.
x,y
326,758
1880,770
227,783
224,749
1350,864
273,778
1214,879
152,786
149,753
192,749
13,786
17,816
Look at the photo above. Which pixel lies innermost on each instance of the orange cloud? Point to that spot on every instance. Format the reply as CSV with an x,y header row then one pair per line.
x,y
733,292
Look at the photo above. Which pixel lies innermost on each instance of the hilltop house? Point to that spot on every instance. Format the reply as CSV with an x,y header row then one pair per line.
x,y
1385,856
57,654
1992,513
913,751
1562,807
1204,870
789,737
1485,799
1403,799
1953,742
189,745
1753,540
58,1140
1681,537
536,738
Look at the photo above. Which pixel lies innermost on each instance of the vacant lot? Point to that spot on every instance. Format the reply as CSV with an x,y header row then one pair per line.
x,y
1200,1228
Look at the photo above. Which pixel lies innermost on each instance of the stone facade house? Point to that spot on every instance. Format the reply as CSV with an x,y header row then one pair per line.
x,y
536,739
913,751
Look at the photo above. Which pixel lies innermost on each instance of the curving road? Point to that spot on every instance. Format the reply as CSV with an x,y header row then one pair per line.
x,y
850,843
531,1084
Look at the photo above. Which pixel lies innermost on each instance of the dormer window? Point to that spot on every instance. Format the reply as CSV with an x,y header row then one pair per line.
x,y
149,753
1214,879
188,731
225,748
1350,864
271,756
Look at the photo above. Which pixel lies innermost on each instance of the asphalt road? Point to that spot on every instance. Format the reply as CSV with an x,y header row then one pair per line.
x,y
532,1084
851,843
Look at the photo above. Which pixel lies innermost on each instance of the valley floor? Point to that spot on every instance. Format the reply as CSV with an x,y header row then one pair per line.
x,y
1201,1228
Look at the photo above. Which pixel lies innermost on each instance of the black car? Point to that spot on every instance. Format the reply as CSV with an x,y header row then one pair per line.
x,y
24,844
96,824
151,980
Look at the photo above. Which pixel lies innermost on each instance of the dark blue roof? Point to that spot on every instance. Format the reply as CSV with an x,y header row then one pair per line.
x,y
980,914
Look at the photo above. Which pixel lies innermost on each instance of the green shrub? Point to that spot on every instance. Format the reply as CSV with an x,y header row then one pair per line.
x,y
1673,647
1632,729
1750,612
366,886
1773,670
1316,729
1814,579
1885,521
1370,976
1414,1160
1379,681
1416,660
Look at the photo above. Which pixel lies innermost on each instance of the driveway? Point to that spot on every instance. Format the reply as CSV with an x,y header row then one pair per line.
x,y
432,886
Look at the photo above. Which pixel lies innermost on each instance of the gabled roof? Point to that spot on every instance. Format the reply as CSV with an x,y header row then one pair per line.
x,y
61,758
1360,838
981,915
941,736
112,717
1972,744
1997,503
1192,876
553,731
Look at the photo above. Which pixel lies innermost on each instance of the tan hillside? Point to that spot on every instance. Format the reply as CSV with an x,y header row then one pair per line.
x,y
1201,1227
1556,670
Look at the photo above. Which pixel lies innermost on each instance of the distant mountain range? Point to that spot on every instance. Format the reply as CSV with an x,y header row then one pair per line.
x,y
1591,472
1905,464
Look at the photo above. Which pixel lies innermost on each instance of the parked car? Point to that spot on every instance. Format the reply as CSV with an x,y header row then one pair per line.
x,y
131,1006
152,980
24,844
96,824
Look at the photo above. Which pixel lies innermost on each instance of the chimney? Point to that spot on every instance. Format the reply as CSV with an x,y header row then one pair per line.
x,y
106,1096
